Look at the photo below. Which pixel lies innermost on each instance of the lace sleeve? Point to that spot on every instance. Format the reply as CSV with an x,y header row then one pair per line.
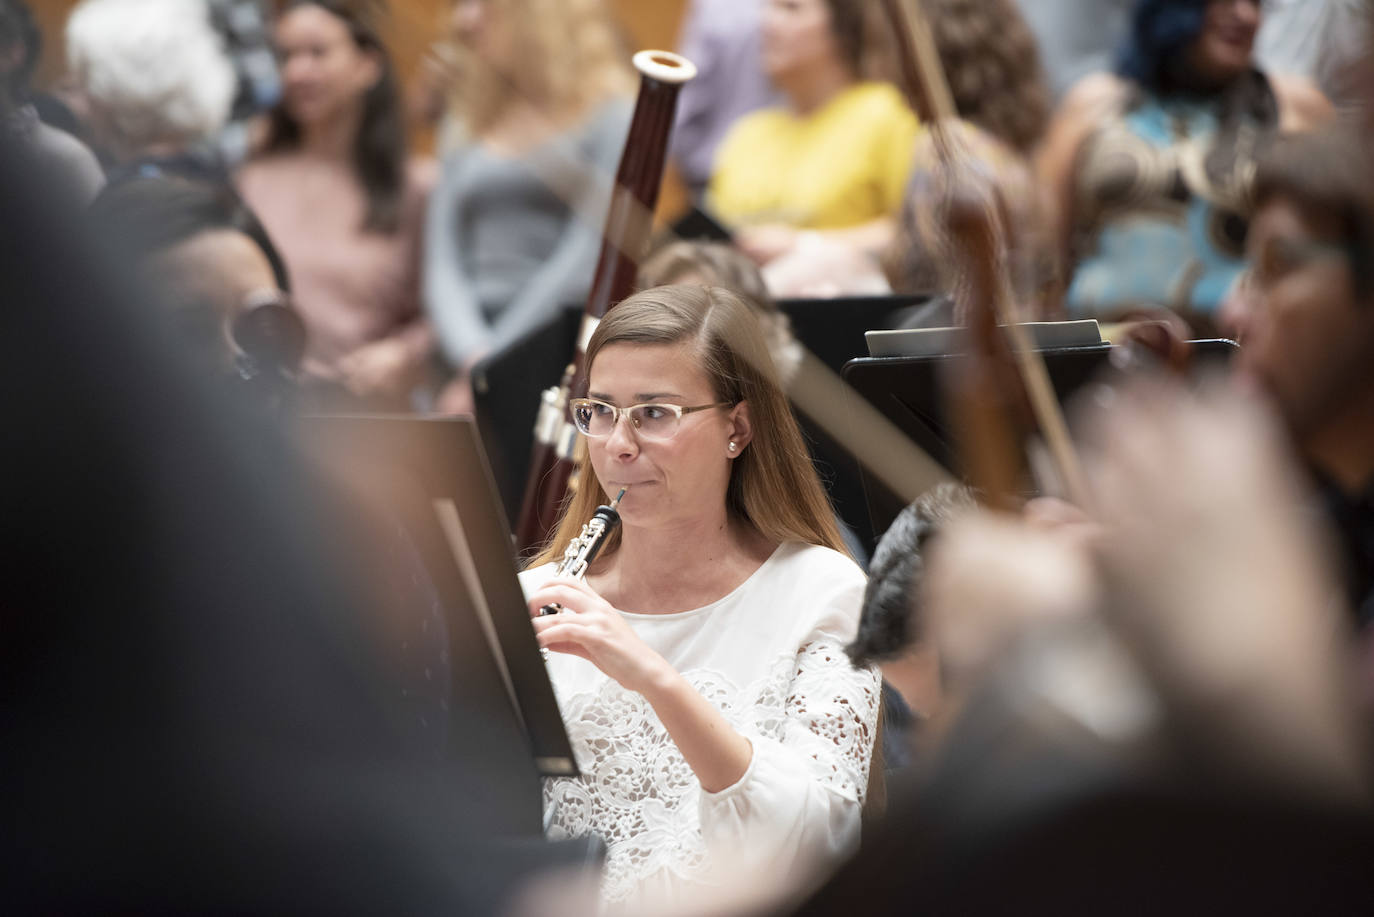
x,y
812,730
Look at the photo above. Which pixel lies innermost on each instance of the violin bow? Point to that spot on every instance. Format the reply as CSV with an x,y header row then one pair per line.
x,y
925,82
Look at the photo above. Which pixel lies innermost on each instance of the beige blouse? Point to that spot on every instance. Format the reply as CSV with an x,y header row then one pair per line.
x,y
352,287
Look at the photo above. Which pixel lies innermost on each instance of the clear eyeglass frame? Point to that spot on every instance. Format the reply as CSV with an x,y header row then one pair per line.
x,y
639,416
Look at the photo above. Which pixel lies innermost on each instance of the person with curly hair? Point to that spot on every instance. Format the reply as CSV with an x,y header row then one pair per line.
x,y
992,63
540,104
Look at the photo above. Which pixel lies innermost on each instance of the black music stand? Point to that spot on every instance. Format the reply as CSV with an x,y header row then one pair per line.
x,y
506,387
699,224
907,391
833,330
431,477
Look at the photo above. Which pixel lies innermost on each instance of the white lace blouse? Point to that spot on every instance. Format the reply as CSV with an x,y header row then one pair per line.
x,y
770,656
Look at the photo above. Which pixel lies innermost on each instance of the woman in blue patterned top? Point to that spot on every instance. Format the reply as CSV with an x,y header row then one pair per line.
x,y
1151,166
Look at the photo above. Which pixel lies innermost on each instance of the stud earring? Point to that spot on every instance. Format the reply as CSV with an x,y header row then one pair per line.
x,y
733,447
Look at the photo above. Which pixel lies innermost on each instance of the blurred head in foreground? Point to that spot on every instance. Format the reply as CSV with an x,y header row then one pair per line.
x,y
212,264
1305,313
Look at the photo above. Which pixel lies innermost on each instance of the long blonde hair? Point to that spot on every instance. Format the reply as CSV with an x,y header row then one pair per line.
x,y
571,59
773,486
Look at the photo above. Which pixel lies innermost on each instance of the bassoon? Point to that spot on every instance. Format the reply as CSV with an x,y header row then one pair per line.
x,y
628,225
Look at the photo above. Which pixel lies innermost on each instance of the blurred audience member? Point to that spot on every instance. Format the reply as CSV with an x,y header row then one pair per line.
x,y
715,264
343,201
211,263
540,107
1305,319
825,172
1312,38
722,37
711,264
153,82
74,166
1151,166
993,67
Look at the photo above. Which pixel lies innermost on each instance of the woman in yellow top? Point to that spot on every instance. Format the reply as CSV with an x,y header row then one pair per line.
x,y
833,162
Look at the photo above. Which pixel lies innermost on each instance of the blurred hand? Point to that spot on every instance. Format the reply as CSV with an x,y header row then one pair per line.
x,y
318,369
589,627
1212,553
383,367
457,397
1062,519
765,242
823,268
992,577
1217,578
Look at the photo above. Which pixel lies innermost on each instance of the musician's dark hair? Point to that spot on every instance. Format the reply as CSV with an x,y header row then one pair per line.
x,y
143,216
773,484
1326,171
379,150
992,61
17,26
1161,30
891,622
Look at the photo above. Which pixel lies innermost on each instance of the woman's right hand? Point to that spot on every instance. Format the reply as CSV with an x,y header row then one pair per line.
x,y
588,626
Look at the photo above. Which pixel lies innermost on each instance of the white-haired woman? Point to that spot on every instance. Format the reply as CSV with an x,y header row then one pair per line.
x,y
153,78
700,667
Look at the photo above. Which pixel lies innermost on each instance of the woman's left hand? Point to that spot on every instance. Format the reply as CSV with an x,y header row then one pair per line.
x,y
588,626
382,367
766,242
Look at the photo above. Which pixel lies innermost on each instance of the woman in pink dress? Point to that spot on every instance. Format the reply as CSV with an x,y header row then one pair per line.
x,y
334,186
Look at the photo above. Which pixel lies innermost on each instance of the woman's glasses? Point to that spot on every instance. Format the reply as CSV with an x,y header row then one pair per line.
x,y
596,419
1280,257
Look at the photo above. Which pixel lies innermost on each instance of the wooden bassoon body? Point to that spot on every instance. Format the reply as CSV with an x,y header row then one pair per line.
x,y
628,226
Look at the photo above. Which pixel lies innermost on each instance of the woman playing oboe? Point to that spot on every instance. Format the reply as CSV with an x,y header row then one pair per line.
x,y
699,666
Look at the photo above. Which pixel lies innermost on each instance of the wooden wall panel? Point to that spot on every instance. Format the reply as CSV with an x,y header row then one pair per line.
x,y
51,16
649,23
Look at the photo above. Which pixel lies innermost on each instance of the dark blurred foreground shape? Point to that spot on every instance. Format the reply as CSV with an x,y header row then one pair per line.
x,y
193,718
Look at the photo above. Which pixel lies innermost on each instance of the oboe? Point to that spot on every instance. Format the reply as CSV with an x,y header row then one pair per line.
x,y
583,549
